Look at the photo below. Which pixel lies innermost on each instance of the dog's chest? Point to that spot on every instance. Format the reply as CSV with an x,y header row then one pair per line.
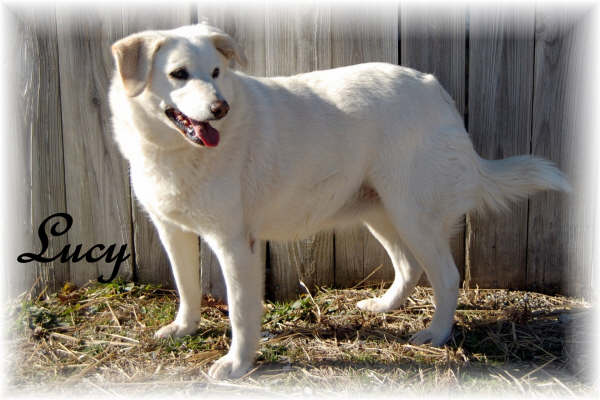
x,y
173,193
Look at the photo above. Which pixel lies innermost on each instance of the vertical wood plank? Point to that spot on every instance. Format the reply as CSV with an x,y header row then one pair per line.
x,y
245,23
582,159
436,43
500,99
558,134
151,259
546,247
362,33
37,169
16,230
298,40
96,178
47,168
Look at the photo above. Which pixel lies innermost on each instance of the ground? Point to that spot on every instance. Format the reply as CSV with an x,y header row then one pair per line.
x,y
98,339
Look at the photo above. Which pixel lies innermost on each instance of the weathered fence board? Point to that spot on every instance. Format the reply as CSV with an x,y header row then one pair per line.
x,y
548,214
38,133
362,33
581,263
96,179
500,98
16,229
298,40
436,44
559,240
47,168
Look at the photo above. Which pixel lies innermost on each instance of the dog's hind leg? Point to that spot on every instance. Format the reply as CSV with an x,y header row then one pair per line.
x,y
406,269
423,234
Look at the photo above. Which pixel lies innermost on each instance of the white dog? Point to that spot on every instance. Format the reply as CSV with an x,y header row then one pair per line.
x,y
236,159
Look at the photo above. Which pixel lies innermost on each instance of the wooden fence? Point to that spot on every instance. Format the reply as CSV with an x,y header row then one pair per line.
x,y
511,71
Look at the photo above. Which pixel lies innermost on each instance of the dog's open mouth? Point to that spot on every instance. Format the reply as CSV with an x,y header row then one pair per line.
x,y
197,132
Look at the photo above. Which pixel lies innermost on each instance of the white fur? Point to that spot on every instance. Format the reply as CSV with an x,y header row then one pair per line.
x,y
374,143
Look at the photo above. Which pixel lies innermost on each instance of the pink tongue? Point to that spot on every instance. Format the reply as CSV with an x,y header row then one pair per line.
x,y
206,133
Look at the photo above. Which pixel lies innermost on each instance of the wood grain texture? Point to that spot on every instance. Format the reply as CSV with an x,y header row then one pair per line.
x,y
152,263
362,33
36,167
298,40
47,167
96,179
309,260
500,100
16,230
246,25
582,278
435,43
545,251
559,246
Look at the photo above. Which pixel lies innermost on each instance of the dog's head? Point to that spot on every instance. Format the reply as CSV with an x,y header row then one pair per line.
x,y
179,78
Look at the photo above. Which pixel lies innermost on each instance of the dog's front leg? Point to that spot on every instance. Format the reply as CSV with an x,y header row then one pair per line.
x,y
243,272
184,255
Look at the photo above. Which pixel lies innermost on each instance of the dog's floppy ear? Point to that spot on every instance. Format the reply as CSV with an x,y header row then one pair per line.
x,y
134,56
229,48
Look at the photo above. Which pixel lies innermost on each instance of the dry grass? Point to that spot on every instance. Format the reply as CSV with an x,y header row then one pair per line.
x,y
99,338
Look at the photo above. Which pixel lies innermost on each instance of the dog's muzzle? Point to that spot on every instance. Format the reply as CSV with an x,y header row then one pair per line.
x,y
198,132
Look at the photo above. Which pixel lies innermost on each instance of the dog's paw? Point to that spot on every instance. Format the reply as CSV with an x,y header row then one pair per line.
x,y
228,367
176,330
377,304
437,339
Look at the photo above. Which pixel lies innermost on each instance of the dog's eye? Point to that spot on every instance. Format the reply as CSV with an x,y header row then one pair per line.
x,y
180,73
215,73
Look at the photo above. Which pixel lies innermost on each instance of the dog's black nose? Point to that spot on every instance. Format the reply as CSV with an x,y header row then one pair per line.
x,y
219,108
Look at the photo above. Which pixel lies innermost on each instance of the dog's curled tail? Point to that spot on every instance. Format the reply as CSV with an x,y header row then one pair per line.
x,y
514,178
